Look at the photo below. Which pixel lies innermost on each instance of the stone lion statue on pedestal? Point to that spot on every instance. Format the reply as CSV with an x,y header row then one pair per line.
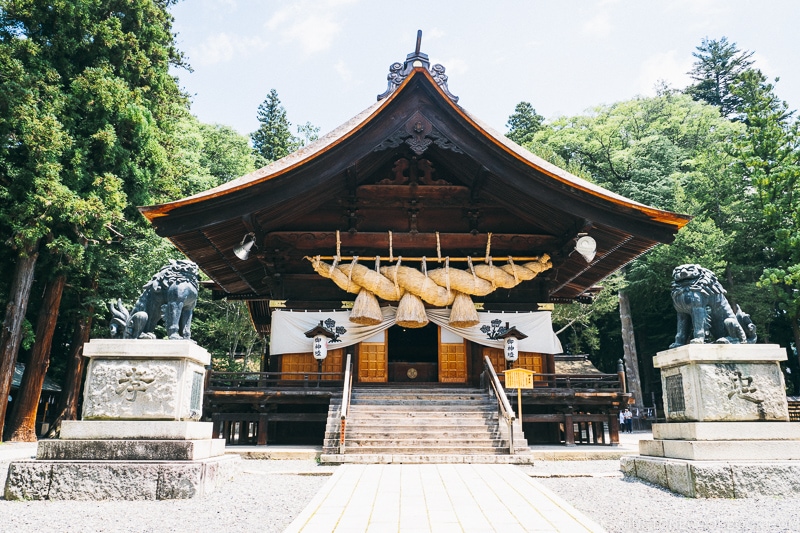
x,y
171,293
704,314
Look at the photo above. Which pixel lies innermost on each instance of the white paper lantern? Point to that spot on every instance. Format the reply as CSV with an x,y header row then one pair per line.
x,y
320,347
511,349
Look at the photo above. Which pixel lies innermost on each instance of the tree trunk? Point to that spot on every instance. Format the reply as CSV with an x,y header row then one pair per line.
x,y
796,334
11,334
729,277
629,349
68,403
22,424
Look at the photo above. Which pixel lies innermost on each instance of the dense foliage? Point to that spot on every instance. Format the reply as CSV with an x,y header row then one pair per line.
x,y
724,150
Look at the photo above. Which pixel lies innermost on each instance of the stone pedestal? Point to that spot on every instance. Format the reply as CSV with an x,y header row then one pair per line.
x,y
723,383
144,380
728,433
139,438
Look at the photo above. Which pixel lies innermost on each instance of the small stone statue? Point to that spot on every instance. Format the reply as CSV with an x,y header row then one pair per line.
x,y
172,292
704,314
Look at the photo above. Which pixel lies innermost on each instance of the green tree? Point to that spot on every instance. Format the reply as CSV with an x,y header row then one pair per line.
x,y
225,153
646,149
86,101
717,68
308,132
273,139
768,162
225,329
652,150
523,123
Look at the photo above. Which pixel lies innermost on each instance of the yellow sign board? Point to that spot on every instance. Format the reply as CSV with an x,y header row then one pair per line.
x,y
519,378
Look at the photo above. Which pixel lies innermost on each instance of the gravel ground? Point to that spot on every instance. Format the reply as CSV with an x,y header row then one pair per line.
x,y
625,505
265,496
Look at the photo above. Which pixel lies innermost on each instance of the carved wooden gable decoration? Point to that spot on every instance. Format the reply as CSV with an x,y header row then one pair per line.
x,y
414,175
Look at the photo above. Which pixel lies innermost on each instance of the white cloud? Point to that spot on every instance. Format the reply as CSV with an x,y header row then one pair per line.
x,y
433,34
311,26
314,34
344,71
454,66
666,66
598,26
223,47
710,9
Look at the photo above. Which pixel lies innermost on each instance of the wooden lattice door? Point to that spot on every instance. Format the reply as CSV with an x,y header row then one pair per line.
x,y
372,363
452,361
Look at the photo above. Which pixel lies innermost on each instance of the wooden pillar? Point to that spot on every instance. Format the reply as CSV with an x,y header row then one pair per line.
x,y
598,429
613,428
216,426
569,430
261,438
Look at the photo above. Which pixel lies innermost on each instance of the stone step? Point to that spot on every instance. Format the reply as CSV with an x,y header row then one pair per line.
x,y
431,450
399,423
409,431
371,442
426,397
407,390
421,405
362,431
335,458
398,414
419,424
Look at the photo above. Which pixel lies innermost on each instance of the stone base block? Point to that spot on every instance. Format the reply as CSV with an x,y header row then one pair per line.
x,y
727,431
730,450
135,429
143,379
129,450
117,480
723,383
716,479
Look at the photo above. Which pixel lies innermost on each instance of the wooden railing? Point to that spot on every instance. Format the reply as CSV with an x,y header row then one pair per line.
x,y
493,382
608,382
348,387
266,380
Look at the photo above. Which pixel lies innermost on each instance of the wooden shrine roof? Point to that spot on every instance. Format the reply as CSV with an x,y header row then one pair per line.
x,y
415,163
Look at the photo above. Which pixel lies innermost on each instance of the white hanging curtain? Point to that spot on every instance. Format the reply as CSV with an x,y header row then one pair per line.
x,y
289,327
538,326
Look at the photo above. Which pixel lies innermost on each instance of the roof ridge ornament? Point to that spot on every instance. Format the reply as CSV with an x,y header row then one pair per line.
x,y
398,72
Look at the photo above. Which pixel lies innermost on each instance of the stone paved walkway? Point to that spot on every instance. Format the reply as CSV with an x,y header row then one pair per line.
x,y
436,498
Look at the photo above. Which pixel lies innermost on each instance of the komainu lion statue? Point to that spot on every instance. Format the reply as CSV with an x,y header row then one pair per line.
x,y
172,292
704,314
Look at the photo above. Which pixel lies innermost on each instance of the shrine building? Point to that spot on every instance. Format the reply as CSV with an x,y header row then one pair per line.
x,y
412,241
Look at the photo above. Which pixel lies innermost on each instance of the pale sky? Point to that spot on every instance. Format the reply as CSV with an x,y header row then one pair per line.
x,y
328,59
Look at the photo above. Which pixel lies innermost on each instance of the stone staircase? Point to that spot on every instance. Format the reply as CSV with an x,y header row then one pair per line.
x,y
433,425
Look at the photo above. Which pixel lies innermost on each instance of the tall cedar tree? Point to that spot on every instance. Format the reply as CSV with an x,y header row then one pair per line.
x,y
717,67
524,123
273,139
86,98
768,161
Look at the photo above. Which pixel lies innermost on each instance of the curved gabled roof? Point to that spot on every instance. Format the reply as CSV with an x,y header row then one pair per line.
x,y
331,140
348,180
